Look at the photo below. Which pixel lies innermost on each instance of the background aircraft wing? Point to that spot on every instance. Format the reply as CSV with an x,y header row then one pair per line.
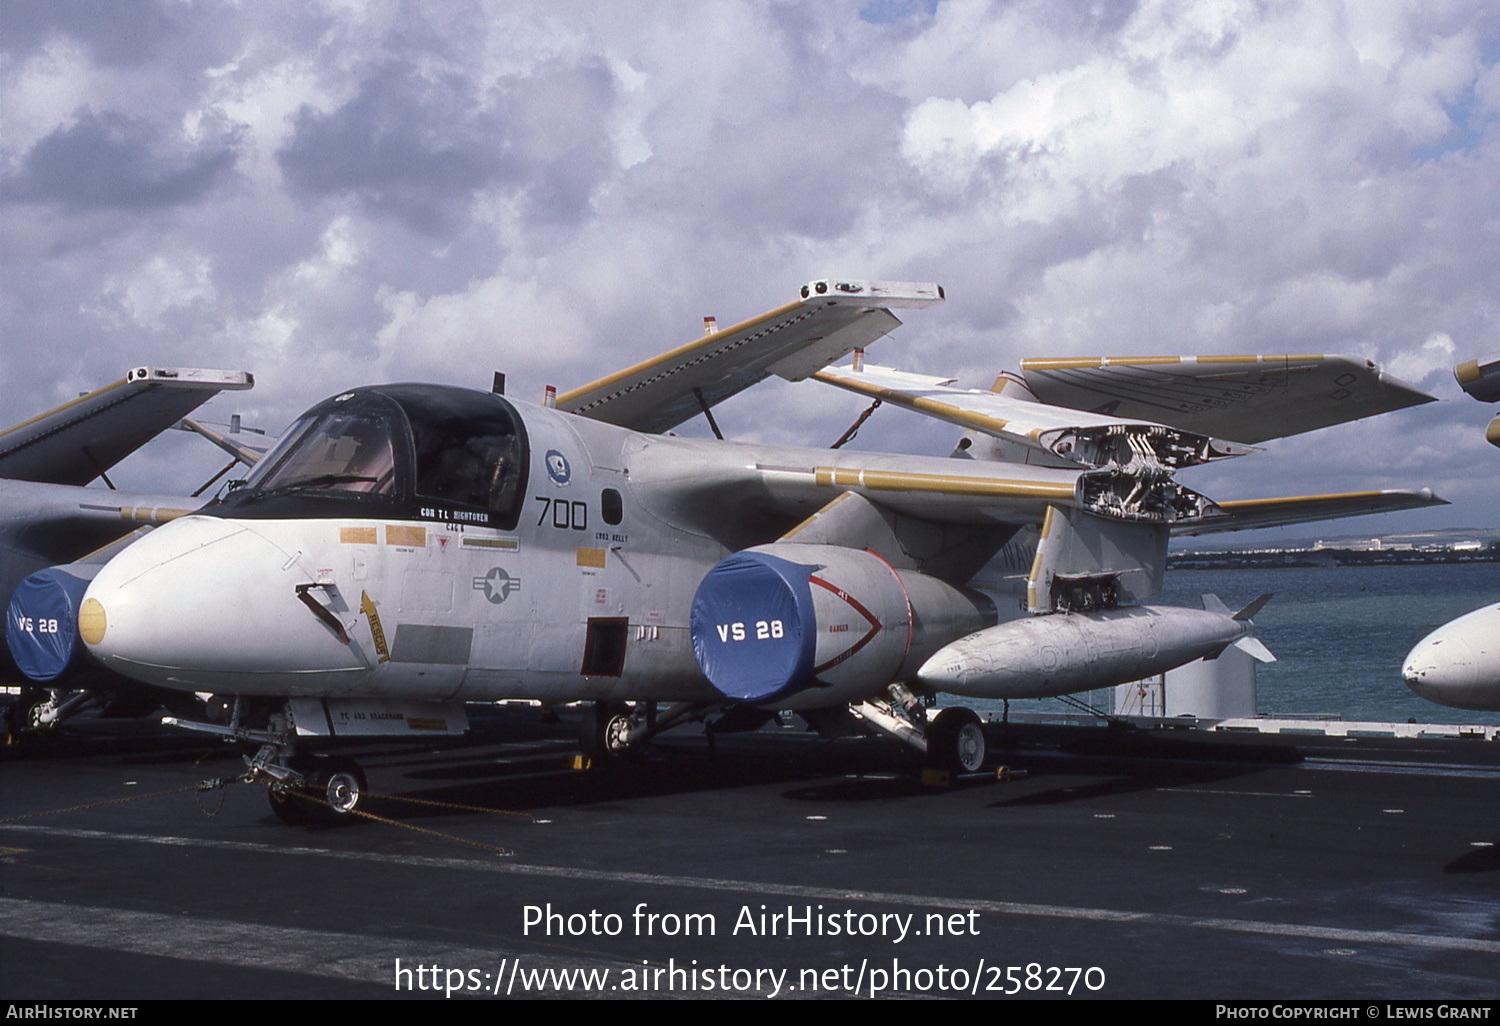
x,y
830,320
247,445
81,439
1246,398
1480,380
59,523
1073,436
1246,514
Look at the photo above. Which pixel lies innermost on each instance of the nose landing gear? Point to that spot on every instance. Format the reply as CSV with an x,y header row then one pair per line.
x,y
302,788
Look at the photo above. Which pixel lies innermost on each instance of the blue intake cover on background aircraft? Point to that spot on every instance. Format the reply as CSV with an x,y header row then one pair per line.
x,y
41,622
753,627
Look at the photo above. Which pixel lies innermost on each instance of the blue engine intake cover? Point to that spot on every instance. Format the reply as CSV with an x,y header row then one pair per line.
x,y
753,627
41,622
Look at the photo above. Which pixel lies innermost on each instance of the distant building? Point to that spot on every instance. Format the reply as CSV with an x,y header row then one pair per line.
x,y
1372,545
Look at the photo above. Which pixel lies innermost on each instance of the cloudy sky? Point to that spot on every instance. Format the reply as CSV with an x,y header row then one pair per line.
x,y
336,193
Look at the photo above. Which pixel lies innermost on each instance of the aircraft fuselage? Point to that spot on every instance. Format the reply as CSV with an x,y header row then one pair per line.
x,y
573,581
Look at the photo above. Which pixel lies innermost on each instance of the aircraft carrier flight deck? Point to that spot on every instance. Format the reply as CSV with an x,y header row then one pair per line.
x,y
1113,862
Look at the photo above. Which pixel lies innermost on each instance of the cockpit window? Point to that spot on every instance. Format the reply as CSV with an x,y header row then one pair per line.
x,y
424,448
346,450
468,449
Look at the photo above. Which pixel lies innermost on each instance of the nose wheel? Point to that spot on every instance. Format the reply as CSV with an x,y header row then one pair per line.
x,y
342,785
326,790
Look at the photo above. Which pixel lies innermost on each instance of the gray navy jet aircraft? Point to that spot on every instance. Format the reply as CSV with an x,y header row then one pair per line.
x,y
407,548
55,533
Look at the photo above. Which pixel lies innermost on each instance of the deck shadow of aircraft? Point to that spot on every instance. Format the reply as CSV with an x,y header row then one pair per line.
x,y
1480,860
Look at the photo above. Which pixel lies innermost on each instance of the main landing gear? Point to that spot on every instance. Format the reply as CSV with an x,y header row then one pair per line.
x,y
605,734
37,713
953,740
302,788
956,742
612,731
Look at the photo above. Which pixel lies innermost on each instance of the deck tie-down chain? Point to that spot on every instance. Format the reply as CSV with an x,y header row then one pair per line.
x,y
303,795
222,783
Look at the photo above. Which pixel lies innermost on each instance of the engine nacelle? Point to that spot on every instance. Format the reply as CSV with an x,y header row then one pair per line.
x,y
41,622
802,626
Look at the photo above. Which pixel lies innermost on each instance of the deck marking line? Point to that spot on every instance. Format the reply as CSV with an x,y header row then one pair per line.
x,y
308,952
1015,908
1237,794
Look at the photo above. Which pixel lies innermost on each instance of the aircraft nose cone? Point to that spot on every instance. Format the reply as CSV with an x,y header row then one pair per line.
x,y
1438,663
206,604
944,670
1458,664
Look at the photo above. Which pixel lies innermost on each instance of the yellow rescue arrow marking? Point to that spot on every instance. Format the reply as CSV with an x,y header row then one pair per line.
x,y
367,607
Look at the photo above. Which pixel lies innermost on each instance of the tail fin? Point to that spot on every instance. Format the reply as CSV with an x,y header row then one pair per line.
x,y
1248,613
1251,646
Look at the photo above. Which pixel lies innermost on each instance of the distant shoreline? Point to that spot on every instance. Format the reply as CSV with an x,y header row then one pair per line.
x,y
1314,559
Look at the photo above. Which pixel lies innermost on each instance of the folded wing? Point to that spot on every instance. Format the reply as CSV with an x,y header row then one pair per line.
x,y
79,440
1247,514
830,320
1245,398
1072,436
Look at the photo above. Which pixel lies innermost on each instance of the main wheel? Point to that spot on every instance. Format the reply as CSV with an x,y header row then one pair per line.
x,y
605,734
956,742
24,717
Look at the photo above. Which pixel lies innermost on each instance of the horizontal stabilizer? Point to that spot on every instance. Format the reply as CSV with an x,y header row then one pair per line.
x,y
830,320
1245,398
1248,514
79,440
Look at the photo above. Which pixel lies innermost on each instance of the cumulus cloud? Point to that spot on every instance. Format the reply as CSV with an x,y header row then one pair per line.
x,y
438,190
115,33
107,159
421,146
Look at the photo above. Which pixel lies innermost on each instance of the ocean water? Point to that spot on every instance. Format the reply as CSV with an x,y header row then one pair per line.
x,y
1341,634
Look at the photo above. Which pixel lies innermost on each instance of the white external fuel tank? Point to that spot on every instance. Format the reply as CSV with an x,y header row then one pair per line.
x,y
1060,653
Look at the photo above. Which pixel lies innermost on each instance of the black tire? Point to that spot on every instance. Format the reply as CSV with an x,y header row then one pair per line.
x,y
956,741
289,801
289,806
605,727
24,715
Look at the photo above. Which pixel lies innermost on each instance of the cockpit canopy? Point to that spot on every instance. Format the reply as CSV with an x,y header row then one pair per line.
x,y
431,450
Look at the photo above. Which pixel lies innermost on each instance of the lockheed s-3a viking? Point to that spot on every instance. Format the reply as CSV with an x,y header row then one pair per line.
x,y
407,548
